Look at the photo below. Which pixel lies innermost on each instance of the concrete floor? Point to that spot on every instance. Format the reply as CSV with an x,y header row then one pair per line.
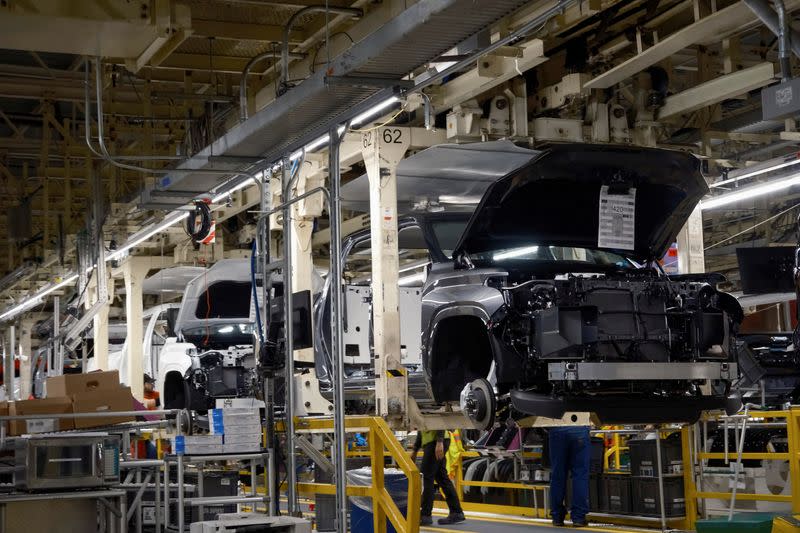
x,y
486,523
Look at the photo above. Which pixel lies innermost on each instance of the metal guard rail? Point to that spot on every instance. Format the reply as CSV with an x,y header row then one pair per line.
x,y
792,417
381,439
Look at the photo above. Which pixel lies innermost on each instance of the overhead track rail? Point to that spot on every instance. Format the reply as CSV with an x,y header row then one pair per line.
x,y
308,111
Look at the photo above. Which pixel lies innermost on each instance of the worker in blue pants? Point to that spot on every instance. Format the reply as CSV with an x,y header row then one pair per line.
x,y
569,453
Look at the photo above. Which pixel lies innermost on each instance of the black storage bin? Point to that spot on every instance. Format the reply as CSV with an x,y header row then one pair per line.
x,y
216,483
597,452
595,492
644,462
647,503
148,503
616,493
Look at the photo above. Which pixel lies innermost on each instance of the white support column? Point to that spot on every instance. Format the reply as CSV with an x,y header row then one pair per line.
x,y
25,358
101,329
691,256
383,148
9,368
303,214
134,272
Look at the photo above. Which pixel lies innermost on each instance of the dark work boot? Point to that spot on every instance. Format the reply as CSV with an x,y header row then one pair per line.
x,y
452,518
425,520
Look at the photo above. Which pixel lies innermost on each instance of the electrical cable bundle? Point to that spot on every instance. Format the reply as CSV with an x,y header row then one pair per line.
x,y
200,223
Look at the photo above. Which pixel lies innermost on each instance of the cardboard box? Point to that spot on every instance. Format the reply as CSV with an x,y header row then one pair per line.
x,y
44,406
201,439
243,430
241,448
183,447
245,438
4,412
240,403
70,384
102,400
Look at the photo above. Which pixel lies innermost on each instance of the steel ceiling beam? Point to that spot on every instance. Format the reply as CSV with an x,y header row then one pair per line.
x,y
717,90
238,31
711,28
421,32
85,28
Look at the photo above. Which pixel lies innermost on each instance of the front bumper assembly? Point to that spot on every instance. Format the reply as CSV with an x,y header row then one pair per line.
x,y
631,408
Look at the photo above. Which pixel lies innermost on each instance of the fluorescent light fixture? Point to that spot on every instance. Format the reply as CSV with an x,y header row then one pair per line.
x,y
757,170
461,200
37,298
246,183
366,115
20,308
748,193
313,145
516,253
410,280
136,240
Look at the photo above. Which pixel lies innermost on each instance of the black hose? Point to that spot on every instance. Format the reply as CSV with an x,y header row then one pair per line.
x,y
203,211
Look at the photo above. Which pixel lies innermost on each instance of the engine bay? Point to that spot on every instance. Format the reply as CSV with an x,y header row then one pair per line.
x,y
223,373
634,317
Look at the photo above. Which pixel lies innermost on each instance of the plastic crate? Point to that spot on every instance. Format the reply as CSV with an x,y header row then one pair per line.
x,y
595,493
741,523
644,461
597,452
646,501
216,483
616,493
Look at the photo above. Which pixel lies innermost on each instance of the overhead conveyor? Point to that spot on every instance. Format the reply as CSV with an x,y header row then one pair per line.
x,y
365,75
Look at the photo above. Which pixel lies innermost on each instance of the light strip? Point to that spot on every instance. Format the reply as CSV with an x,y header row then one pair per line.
x,y
34,300
747,193
136,240
366,115
246,183
756,172
515,253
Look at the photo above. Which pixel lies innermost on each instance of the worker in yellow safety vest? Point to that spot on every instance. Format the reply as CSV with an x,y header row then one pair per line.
x,y
454,452
433,445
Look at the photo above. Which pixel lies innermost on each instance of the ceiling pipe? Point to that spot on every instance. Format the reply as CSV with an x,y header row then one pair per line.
x,y
117,163
770,19
87,127
352,11
243,111
783,41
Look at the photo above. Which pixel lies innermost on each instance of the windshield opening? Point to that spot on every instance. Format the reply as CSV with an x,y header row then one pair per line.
x,y
448,233
555,253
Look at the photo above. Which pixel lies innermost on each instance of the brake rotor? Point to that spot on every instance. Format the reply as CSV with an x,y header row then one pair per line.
x,y
479,403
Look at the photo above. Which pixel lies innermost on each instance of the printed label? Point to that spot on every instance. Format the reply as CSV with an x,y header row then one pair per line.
x,y
616,219
41,425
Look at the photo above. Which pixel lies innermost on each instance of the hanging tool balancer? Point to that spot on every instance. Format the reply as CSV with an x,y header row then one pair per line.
x,y
200,225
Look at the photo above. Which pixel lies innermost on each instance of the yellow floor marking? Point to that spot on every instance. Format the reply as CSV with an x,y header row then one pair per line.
x,y
534,522
443,530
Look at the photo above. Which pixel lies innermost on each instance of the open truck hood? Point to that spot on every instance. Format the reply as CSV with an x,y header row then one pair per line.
x,y
555,200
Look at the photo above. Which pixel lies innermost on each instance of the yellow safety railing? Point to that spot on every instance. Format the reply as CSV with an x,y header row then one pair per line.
x,y
692,494
381,440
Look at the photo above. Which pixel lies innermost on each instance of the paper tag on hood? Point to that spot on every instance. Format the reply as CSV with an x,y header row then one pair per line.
x,y
616,220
